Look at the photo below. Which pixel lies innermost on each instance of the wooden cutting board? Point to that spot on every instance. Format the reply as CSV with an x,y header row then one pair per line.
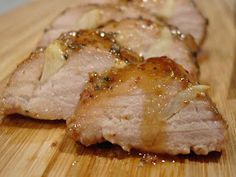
x,y
41,148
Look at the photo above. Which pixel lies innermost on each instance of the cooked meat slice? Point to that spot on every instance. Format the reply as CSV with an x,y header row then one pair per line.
x,y
180,13
153,107
150,39
89,16
48,84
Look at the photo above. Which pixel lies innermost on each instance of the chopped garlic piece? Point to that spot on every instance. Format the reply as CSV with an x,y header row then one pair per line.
x,y
179,100
54,59
161,47
168,8
89,20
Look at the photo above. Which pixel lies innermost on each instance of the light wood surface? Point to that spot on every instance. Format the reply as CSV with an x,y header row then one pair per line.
x,y
41,148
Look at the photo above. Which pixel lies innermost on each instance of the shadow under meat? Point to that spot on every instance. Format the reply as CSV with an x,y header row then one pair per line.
x,y
26,122
111,151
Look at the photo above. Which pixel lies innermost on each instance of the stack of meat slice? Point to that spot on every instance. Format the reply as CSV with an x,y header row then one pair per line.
x,y
120,74
182,14
90,16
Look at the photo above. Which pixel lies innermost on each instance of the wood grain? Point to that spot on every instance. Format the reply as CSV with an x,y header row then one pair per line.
x,y
232,89
41,148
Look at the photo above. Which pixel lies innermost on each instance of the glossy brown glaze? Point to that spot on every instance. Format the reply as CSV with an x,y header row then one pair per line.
x,y
153,76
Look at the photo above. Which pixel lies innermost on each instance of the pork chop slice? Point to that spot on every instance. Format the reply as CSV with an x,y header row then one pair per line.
x,y
153,107
90,16
150,39
48,84
183,14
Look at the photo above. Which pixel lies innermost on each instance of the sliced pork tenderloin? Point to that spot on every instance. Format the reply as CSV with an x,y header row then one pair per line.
x,y
153,38
183,14
88,17
180,13
153,107
48,84
150,39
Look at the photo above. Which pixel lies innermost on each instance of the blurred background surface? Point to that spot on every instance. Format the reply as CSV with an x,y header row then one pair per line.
x,y
6,5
